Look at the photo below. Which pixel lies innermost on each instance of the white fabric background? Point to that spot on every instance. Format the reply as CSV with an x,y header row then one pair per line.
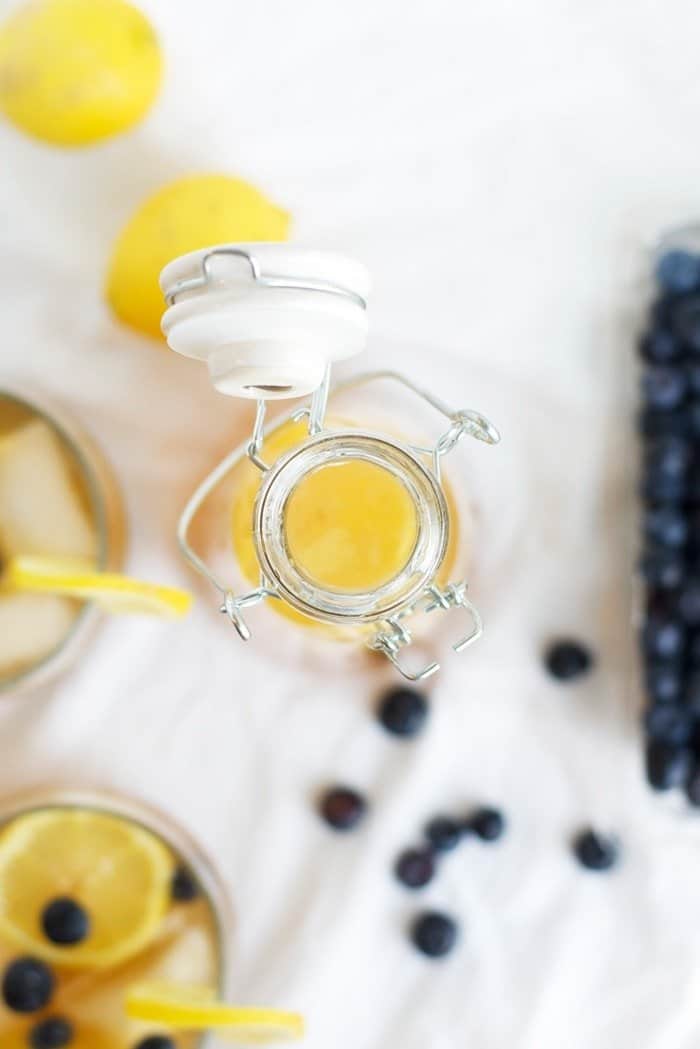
x,y
502,168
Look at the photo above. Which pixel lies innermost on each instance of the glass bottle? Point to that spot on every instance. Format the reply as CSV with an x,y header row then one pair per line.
x,y
340,509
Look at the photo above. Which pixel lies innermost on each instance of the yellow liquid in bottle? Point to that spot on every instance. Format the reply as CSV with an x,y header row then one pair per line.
x,y
350,526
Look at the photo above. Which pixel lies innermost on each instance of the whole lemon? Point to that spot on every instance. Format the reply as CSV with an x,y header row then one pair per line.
x,y
73,72
191,213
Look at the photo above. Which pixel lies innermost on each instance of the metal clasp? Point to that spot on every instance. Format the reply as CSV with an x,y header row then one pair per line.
x,y
396,636
206,279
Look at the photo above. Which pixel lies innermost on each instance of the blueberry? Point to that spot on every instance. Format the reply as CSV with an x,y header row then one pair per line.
x,y
692,485
664,387
156,1041
664,682
663,638
692,417
689,602
653,423
594,851
660,312
667,457
667,766
669,723
65,922
656,488
183,886
662,568
567,660
692,370
678,271
434,934
685,320
443,833
694,650
54,1033
415,868
487,824
666,526
27,985
403,711
691,693
342,808
659,347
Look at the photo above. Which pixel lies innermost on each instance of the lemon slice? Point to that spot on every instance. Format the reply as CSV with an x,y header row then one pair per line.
x,y
115,593
197,1009
116,870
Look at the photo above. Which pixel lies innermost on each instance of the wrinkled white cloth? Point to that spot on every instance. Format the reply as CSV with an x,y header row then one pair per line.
x,y
503,169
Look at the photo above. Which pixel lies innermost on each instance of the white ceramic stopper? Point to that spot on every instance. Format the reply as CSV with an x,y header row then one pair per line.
x,y
267,318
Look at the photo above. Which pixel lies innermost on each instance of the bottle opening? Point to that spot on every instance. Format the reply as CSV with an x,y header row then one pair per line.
x,y
350,526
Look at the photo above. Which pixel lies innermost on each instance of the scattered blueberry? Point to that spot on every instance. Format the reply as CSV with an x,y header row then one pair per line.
x,y
342,808
443,833
434,934
664,387
65,922
594,851
27,985
415,868
487,824
183,886
54,1033
664,682
403,711
667,766
567,660
669,723
678,271
156,1041
685,320
666,526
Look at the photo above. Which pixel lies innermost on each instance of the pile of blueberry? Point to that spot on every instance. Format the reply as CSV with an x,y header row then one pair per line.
x,y
28,984
670,562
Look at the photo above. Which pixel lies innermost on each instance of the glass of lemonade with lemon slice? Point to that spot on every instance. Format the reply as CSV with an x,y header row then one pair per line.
x,y
62,537
99,895
58,498
113,931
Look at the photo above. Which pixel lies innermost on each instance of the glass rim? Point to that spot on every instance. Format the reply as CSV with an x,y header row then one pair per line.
x,y
355,607
88,615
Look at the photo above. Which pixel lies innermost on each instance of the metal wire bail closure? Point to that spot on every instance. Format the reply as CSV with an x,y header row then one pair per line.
x,y
266,318
392,633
